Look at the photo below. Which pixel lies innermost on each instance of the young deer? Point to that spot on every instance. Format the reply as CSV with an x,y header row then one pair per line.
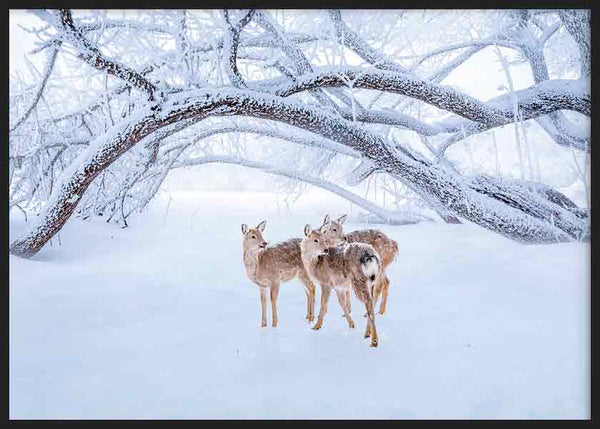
x,y
268,266
385,247
349,265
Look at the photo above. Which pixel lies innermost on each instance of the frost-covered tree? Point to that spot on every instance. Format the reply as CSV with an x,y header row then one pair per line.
x,y
334,99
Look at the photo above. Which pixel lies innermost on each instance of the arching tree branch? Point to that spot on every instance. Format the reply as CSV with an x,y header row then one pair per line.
x,y
537,100
515,218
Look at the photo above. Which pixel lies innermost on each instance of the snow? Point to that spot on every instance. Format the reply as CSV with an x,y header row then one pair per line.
x,y
160,321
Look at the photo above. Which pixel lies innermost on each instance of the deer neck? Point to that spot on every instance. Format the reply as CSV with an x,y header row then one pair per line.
x,y
310,259
252,261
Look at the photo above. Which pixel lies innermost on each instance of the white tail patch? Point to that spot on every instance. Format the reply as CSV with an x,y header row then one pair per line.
x,y
370,268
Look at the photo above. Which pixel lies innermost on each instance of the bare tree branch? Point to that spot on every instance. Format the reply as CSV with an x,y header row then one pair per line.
x,y
300,62
578,24
34,101
537,100
349,38
230,47
92,55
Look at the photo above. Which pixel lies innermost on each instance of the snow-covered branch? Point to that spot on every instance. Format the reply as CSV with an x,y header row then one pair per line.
x,y
36,98
578,24
349,38
470,201
92,55
537,100
541,99
230,47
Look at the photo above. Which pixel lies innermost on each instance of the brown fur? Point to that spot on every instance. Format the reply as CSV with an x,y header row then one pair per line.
x,y
385,247
339,268
269,266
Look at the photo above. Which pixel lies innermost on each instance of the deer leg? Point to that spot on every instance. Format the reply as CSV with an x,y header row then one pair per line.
x,y
274,294
307,293
310,290
313,294
342,296
384,293
377,289
263,305
371,330
325,292
348,301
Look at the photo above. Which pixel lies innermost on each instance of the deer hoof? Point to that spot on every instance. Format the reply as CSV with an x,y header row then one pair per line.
x,y
374,343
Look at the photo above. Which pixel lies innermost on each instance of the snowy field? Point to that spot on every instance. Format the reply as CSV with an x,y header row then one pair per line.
x,y
159,321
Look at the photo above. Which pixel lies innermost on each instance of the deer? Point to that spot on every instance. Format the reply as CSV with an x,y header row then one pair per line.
x,y
269,266
385,247
355,266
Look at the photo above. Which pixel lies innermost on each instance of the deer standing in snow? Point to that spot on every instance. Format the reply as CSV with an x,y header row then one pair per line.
x,y
385,247
269,266
348,266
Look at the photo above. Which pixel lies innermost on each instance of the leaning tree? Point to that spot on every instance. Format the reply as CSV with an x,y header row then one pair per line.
x,y
122,101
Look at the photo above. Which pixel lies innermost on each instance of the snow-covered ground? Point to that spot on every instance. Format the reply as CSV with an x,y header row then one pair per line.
x,y
159,321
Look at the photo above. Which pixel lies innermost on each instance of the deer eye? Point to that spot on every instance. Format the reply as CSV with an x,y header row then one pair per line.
x,y
334,230
316,241
254,236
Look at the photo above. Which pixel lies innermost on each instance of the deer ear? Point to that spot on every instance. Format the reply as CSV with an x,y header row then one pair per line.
x,y
306,230
342,219
326,219
261,226
244,228
325,227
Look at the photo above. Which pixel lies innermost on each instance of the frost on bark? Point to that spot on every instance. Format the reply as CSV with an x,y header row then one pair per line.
x,y
331,120
578,24
232,41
